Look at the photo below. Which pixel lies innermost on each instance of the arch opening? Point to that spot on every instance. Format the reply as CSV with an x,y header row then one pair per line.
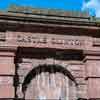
x,y
55,78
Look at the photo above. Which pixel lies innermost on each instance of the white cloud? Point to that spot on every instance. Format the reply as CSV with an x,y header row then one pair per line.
x,y
93,5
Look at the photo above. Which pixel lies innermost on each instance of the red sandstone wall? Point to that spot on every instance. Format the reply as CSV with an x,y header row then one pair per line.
x,y
87,74
7,72
93,78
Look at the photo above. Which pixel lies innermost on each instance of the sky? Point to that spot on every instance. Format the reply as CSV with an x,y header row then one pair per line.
x,y
90,6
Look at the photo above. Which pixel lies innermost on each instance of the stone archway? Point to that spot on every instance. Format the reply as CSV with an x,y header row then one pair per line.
x,y
48,82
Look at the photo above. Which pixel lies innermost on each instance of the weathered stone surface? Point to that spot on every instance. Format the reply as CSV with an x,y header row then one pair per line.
x,y
39,40
7,91
80,81
7,69
6,80
6,60
93,68
78,74
93,88
78,70
82,91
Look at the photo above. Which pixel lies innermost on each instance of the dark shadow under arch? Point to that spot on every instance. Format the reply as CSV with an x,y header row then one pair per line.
x,y
45,68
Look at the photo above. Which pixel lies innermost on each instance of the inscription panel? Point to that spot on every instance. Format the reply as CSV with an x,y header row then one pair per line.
x,y
49,40
45,40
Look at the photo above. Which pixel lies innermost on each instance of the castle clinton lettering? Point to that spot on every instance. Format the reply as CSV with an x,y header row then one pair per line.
x,y
45,40
41,40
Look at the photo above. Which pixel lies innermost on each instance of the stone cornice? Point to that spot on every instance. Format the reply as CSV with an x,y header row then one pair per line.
x,y
27,18
8,51
8,48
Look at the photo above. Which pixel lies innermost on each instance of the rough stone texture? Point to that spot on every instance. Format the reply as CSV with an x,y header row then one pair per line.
x,y
93,68
7,91
7,69
93,75
82,91
6,80
7,72
94,88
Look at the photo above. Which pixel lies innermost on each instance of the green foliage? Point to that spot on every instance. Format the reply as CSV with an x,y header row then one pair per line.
x,y
98,21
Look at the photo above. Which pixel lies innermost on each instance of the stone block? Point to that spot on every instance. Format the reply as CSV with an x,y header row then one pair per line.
x,y
94,88
80,80
7,60
76,67
93,68
7,69
78,74
7,91
77,70
5,80
82,91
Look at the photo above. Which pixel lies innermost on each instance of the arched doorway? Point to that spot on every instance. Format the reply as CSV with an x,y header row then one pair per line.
x,y
49,82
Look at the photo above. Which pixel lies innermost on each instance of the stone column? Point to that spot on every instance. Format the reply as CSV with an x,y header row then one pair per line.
x,y
7,72
92,68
